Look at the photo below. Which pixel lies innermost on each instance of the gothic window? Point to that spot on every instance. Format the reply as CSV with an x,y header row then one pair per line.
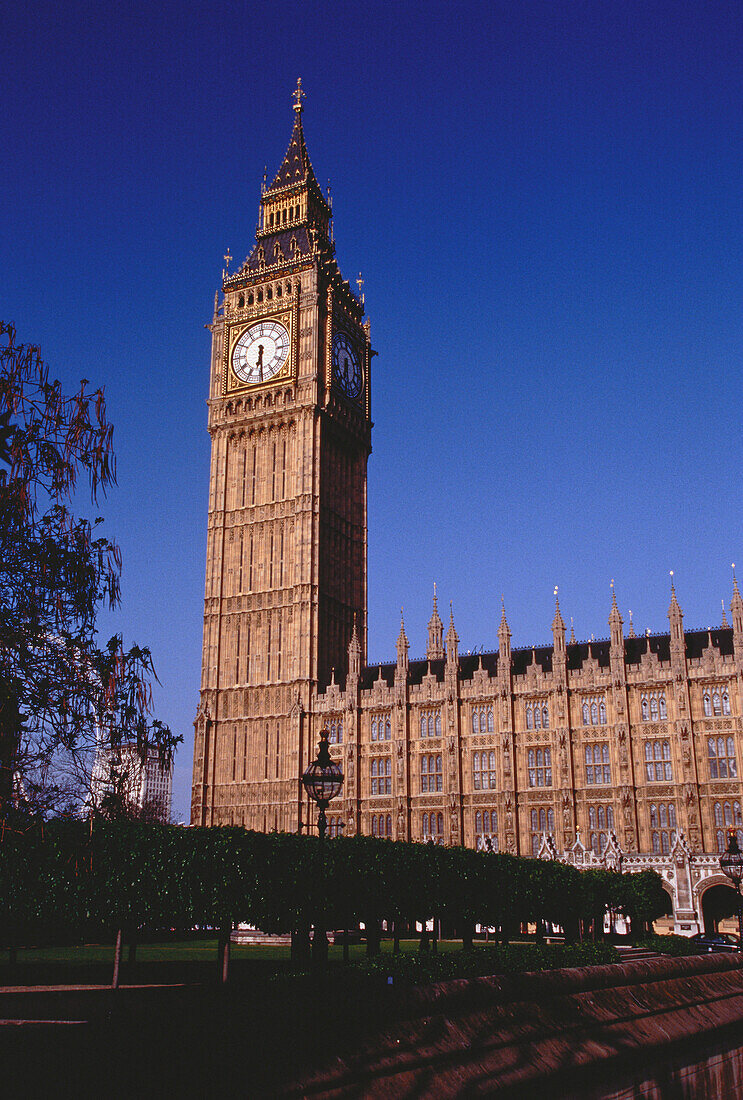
x,y
335,727
540,767
288,288
381,775
594,711
431,774
537,716
725,703
260,295
721,758
598,768
591,817
716,704
663,824
484,771
486,830
658,767
542,821
720,840
433,828
279,291
529,718
482,720
545,717
431,723
250,299
707,703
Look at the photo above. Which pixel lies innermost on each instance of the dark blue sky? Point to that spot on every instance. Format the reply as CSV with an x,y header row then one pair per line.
x,y
545,201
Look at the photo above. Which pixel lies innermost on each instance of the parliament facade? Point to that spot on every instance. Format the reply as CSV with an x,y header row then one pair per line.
x,y
622,752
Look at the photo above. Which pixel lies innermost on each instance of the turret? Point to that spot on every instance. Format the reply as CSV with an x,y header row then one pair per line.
x,y
736,614
401,671
354,659
452,644
504,647
558,631
435,647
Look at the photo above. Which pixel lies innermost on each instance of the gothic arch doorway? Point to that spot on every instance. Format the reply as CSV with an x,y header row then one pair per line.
x,y
719,901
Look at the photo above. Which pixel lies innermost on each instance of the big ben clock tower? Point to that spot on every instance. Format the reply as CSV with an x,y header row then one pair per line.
x,y
290,424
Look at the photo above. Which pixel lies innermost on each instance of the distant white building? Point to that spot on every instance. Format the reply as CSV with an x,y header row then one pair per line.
x,y
141,787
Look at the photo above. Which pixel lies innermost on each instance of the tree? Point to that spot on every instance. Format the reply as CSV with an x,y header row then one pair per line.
x,y
61,698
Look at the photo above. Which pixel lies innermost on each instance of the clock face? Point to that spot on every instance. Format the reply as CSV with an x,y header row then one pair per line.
x,y
346,365
261,351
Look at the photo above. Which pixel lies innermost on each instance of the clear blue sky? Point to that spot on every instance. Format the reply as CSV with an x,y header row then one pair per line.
x,y
545,201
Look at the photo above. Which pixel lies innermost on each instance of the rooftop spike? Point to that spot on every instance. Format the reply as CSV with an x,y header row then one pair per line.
x,y
674,610
631,627
557,623
503,628
572,631
724,624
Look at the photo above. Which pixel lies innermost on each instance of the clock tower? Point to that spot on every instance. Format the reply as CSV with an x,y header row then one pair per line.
x,y
290,424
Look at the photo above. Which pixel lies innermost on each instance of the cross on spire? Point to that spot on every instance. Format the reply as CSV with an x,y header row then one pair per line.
x,y
298,95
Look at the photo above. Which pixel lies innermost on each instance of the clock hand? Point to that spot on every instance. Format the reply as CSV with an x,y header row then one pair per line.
x,y
259,364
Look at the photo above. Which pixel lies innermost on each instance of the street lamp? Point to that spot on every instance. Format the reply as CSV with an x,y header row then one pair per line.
x,y
731,864
322,781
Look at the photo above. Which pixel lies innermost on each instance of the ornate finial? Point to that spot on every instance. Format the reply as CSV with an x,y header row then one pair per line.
x,y
724,622
227,259
434,595
572,631
360,284
298,96
670,571
631,626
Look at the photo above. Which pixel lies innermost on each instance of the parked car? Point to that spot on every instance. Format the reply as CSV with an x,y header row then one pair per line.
x,y
716,941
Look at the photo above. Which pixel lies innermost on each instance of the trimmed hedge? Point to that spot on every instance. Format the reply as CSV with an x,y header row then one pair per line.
x,y
68,878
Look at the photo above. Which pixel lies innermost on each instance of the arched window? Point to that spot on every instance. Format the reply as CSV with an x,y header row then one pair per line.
x,y
430,725
716,704
475,722
592,817
374,824
594,844
551,820
423,725
425,825
653,709
728,814
718,814
707,703
594,714
535,844
737,814
662,705
478,823
389,825
387,729
602,841
374,729
600,816
720,836
665,844
725,703
545,718
602,713
543,820
440,824
534,821
486,821
586,718
656,844
529,718
663,816
490,720
644,708
438,723
609,817
672,815
653,816
537,718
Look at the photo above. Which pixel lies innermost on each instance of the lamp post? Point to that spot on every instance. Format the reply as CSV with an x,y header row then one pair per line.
x,y
731,864
322,781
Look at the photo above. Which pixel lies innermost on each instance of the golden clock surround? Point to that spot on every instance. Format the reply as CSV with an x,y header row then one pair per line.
x,y
231,382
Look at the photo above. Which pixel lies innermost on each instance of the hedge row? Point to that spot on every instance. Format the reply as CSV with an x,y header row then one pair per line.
x,y
73,877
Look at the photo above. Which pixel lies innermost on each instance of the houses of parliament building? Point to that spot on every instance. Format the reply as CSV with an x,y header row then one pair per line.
x,y
619,752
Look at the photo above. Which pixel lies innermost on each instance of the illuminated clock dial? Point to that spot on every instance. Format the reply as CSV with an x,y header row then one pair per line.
x,y
261,351
346,365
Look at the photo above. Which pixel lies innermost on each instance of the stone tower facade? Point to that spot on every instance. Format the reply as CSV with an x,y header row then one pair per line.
x,y
290,424
623,751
